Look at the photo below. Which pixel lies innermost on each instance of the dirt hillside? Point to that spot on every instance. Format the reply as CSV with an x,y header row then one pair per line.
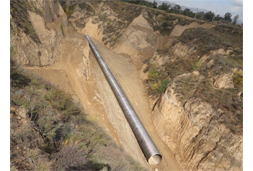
x,y
182,77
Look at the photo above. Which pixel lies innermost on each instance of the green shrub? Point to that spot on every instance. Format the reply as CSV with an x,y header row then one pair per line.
x,y
152,75
162,87
69,10
156,82
62,30
19,80
196,65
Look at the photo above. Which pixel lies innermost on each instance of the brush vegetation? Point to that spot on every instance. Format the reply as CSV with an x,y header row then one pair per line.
x,y
54,133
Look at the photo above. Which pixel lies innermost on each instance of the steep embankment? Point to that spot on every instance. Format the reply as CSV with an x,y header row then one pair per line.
x,y
200,114
36,33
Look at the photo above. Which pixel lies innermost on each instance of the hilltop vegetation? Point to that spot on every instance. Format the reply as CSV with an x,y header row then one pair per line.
x,y
176,9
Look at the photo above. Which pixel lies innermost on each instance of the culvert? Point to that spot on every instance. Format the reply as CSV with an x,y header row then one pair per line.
x,y
145,142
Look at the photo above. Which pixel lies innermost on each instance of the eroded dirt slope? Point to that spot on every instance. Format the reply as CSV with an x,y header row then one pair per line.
x,y
128,78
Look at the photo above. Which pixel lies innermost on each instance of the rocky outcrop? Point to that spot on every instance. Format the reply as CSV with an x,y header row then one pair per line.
x,y
182,50
224,80
39,45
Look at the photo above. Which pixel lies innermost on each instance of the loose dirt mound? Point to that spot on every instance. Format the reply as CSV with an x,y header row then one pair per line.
x,y
138,40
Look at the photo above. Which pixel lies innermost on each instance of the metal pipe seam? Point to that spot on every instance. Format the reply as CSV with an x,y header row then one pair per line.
x,y
145,142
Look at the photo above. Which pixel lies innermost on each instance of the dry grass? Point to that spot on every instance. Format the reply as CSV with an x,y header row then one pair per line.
x,y
226,100
238,80
185,87
55,134
165,24
125,14
19,12
231,30
203,41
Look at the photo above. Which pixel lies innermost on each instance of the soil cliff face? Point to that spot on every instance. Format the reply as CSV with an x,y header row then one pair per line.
x,y
200,114
37,29
196,135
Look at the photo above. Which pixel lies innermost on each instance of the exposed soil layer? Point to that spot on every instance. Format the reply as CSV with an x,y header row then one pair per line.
x,y
98,99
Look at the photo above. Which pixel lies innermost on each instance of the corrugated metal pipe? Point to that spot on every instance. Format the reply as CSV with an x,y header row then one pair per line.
x,y
148,147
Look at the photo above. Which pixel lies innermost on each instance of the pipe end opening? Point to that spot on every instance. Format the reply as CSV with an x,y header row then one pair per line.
x,y
155,159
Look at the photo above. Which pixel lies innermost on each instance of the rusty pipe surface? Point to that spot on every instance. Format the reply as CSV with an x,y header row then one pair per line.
x,y
145,142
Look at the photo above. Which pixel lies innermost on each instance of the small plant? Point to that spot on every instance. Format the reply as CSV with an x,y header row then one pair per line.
x,y
238,80
163,85
69,10
154,86
62,30
12,50
152,75
156,82
196,65
70,155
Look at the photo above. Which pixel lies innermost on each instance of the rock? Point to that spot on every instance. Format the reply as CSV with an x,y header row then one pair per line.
x,y
12,109
22,112
104,169
224,80
220,52
182,50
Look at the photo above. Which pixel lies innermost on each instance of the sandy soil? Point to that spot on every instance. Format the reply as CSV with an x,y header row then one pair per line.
x,y
127,76
98,99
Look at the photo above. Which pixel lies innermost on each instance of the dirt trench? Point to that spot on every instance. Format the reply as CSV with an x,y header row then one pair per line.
x,y
98,99
128,78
